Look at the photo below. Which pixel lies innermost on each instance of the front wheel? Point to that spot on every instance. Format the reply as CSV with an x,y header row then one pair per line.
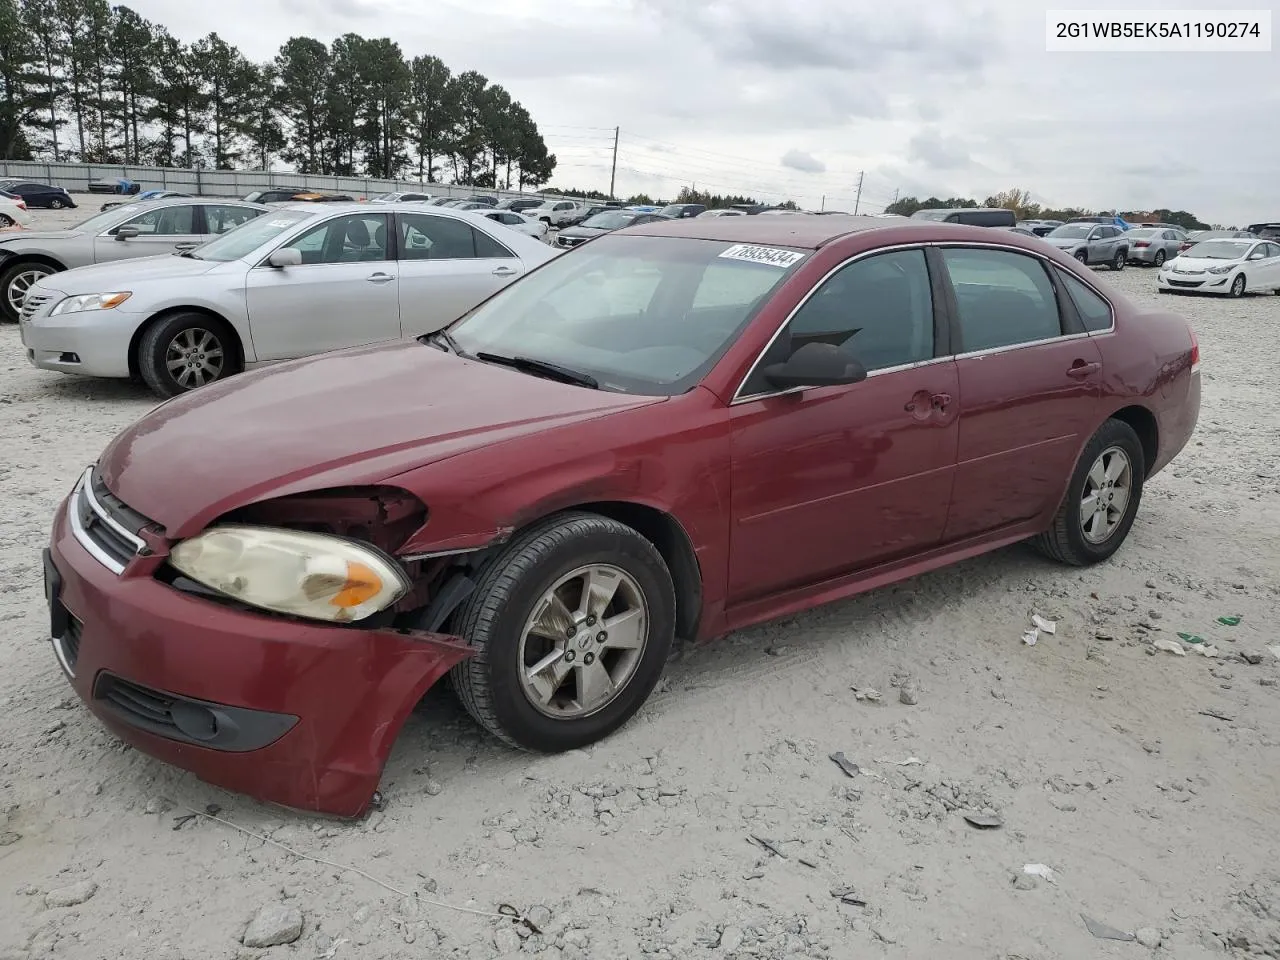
x,y
57,203
1119,260
1083,256
1238,285
184,351
572,625
1101,500
15,283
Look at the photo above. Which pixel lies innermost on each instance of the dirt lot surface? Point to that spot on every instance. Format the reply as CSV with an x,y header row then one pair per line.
x,y
1148,783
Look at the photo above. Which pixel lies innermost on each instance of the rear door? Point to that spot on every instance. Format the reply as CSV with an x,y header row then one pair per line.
x,y
342,295
160,230
447,266
1029,388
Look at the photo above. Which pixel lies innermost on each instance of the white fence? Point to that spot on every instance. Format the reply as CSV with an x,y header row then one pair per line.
x,y
76,177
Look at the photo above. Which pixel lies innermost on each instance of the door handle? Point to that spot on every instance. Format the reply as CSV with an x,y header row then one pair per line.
x,y
505,271
940,401
1080,369
380,278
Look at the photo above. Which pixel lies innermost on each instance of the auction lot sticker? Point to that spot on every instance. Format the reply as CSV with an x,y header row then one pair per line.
x,y
773,256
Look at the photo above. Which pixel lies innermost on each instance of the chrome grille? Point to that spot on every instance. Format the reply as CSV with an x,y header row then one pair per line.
x,y
104,526
32,303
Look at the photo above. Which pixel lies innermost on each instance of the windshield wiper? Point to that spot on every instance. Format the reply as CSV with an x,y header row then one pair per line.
x,y
442,337
552,370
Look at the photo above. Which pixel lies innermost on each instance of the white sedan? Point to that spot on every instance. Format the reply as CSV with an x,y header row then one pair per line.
x,y
304,279
1231,267
518,222
13,212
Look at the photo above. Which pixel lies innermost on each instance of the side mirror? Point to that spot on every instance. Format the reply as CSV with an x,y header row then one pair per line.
x,y
1256,256
816,365
126,233
285,257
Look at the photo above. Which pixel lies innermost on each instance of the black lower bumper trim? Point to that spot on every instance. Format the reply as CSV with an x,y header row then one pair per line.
x,y
185,719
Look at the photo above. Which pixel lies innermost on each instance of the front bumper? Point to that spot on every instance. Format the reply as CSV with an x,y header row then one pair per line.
x,y
94,343
302,715
1195,282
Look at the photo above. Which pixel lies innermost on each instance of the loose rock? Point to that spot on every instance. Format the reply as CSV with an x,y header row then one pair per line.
x,y
1024,881
730,939
908,693
275,923
71,896
1149,937
506,940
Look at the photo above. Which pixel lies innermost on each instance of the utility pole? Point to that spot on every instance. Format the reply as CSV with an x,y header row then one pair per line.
x,y
858,199
823,205
614,172
895,196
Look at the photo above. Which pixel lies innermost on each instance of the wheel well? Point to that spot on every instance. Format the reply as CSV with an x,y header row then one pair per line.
x,y
156,318
1144,425
665,533
21,258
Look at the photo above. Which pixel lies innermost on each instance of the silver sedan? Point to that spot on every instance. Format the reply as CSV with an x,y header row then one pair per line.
x,y
305,279
1152,246
132,229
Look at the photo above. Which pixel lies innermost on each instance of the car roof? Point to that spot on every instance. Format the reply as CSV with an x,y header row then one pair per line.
x,y
155,203
802,230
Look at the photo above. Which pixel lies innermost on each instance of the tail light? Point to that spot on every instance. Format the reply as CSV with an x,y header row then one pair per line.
x,y
20,204
1142,243
1195,351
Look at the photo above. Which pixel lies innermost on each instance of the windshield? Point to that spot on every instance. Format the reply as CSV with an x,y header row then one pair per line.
x,y
249,236
642,315
108,218
931,214
614,220
1219,250
1072,231
672,210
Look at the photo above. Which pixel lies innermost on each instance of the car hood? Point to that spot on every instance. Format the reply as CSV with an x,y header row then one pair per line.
x,y
1198,263
583,231
27,235
126,274
1063,242
352,417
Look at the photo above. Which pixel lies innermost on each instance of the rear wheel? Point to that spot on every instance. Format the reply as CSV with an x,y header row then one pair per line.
x,y
1101,500
1160,258
1119,260
14,284
57,203
1238,285
5,221
572,625
184,351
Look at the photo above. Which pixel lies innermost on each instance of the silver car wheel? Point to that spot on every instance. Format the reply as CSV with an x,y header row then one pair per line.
x,y
22,283
1106,494
583,642
194,357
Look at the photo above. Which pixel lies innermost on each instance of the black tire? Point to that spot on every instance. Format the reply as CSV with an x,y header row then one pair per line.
x,y
7,311
5,221
154,345
1065,541
57,203
1120,259
1238,285
493,619
1082,256
1160,259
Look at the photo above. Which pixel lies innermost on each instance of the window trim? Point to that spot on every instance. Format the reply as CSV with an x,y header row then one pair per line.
x,y
738,396
948,316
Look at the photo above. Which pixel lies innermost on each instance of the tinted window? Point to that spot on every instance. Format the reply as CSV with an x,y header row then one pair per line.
x,y
351,239
879,308
424,237
1093,310
165,222
220,219
1003,298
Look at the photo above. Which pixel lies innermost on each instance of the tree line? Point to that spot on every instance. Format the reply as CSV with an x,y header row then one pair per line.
x,y
1020,202
81,80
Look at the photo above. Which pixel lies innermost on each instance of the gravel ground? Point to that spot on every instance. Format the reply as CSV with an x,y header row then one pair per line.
x,y
1147,782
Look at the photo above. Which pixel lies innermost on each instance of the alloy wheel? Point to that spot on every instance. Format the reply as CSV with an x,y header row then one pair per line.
x,y
195,357
21,284
1237,286
583,642
1159,258
1105,497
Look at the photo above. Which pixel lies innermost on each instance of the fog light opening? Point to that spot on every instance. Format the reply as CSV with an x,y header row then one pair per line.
x,y
68,358
197,722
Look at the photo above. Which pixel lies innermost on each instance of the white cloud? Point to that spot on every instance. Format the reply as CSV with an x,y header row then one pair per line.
x,y
804,162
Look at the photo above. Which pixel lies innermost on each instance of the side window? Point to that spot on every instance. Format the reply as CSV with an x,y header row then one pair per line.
x,y
1003,298
1108,232
165,222
488,248
879,308
1094,311
220,219
564,206
424,237
351,239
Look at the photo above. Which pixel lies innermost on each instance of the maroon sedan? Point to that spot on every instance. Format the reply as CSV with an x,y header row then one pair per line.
x,y
676,430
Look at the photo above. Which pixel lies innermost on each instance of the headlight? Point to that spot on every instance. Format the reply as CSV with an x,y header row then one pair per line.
x,y
1225,268
304,574
90,301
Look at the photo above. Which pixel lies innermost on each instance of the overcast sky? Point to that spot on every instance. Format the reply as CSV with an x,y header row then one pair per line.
x,y
792,100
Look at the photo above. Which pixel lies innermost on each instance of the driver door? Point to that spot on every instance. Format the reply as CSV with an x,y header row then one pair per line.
x,y
830,480
160,230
